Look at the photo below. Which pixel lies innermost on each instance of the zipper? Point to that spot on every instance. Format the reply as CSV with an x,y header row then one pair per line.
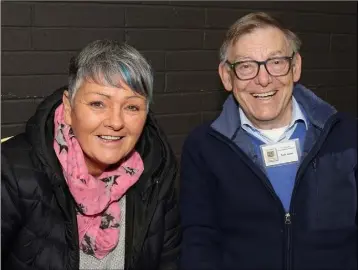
x,y
312,155
288,222
136,246
305,162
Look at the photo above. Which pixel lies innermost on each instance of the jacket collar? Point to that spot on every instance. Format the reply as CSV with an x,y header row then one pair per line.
x,y
315,109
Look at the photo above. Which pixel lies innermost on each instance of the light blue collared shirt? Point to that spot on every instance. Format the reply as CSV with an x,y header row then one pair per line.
x,y
297,115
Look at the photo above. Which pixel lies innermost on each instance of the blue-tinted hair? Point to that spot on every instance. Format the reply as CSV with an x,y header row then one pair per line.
x,y
107,62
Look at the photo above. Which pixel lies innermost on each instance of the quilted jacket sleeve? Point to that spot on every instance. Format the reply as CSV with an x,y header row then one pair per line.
x,y
11,214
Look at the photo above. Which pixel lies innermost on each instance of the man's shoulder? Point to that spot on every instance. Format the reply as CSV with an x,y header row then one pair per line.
x,y
199,140
347,121
343,134
199,133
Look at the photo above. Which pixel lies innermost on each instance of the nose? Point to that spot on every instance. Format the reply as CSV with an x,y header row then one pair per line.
x,y
114,119
263,78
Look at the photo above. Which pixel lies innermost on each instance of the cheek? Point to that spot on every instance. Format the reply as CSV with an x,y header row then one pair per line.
x,y
241,89
284,81
135,125
85,123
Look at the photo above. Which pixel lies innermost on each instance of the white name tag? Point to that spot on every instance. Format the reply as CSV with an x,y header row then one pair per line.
x,y
280,153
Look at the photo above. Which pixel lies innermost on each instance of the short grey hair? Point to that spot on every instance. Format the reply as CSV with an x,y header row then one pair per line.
x,y
107,62
248,24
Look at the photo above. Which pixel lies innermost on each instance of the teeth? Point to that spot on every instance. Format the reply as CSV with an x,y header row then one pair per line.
x,y
265,94
110,137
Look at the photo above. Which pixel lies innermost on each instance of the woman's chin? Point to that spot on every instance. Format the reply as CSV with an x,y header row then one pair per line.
x,y
99,165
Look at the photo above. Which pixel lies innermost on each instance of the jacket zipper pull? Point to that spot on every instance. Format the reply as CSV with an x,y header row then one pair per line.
x,y
287,218
314,165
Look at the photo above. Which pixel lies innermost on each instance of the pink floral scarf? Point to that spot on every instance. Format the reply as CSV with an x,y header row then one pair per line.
x,y
97,199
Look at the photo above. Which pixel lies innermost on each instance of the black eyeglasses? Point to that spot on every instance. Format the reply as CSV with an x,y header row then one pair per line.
x,y
275,66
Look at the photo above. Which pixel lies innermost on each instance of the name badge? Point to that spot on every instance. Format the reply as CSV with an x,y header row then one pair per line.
x,y
280,153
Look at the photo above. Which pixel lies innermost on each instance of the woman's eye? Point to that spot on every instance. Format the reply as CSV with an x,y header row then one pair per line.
x,y
133,108
97,104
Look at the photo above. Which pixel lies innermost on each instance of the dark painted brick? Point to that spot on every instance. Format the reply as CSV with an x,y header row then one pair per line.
x,y
214,4
15,14
319,23
213,39
314,42
164,17
176,142
18,111
25,63
344,7
343,99
79,14
193,81
329,61
179,124
174,103
11,130
192,60
303,6
13,39
30,86
210,116
159,82
300,22
165,39
345,43
71,39
213,101
329,78
348,7
156,59
222,18
153,2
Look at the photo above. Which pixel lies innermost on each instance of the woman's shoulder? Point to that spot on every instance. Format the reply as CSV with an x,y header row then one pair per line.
x,y
16,151
20,168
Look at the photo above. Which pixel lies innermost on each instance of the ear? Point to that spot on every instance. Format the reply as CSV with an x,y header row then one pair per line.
x,y
67,107
297,67
224,72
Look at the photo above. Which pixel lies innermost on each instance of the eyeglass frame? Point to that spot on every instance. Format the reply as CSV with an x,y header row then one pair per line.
x,y
259,63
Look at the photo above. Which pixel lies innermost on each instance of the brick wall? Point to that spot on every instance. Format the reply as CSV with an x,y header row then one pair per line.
x,y
180,39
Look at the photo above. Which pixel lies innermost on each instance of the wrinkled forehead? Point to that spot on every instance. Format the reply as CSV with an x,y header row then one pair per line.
x,y
260,44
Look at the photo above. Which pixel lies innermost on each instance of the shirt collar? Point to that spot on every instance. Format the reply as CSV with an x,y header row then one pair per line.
x,y
297,115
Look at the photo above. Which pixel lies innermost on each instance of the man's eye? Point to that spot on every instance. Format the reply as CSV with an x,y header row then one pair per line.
x,y
97,104
278,61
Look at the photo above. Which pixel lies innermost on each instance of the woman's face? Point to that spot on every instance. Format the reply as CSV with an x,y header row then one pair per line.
x,y
107,122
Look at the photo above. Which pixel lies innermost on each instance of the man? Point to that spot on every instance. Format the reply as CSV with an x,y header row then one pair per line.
x,y
271,183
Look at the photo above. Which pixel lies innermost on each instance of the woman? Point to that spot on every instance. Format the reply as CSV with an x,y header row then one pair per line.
x,y
90,184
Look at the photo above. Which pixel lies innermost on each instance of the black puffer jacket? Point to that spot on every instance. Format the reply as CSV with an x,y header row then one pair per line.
x,y
38,220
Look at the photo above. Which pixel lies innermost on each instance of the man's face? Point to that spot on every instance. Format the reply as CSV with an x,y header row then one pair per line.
x,y
265,99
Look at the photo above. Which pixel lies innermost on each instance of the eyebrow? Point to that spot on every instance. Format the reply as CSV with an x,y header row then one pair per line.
x,y
109,96
275,53
247,58
98,93
136,96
